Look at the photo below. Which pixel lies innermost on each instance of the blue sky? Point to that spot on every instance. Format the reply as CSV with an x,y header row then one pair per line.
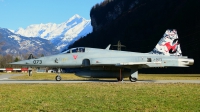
x,y
22,13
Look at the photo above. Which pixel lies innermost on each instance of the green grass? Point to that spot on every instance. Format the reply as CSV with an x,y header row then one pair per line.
x,y
84,97
100,97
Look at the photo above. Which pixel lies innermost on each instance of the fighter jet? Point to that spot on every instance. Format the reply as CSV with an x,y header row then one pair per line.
x,y
105,63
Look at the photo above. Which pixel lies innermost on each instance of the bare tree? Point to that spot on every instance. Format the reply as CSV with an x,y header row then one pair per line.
x,y
1,59
6,60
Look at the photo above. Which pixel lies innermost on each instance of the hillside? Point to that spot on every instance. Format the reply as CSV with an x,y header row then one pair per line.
x,y
139,24
61,35
17,45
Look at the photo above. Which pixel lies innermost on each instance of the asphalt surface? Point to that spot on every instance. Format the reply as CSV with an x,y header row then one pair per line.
x,y
5,79
8,76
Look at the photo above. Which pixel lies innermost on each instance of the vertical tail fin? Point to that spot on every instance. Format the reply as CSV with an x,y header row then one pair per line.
x,y
168,44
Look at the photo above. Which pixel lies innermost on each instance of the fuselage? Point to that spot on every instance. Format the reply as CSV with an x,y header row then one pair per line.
x,y
103,57
103,63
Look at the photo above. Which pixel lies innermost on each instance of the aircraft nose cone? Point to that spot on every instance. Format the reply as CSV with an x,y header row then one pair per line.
x,y
13,63
18,63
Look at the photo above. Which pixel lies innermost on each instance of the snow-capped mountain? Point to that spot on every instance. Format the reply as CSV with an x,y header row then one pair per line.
x,y
61,35
16,44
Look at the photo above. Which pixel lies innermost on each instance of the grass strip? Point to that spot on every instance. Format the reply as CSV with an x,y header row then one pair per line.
x,y
100,97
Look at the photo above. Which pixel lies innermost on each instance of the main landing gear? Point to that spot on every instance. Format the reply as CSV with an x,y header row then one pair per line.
x,y
120,79
134,75
58,77
132,79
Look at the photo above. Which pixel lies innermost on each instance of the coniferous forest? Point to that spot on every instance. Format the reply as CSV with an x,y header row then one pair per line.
x,y
139,25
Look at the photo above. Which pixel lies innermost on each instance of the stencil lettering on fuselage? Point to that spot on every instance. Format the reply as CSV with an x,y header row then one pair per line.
x,y
64,59
37,61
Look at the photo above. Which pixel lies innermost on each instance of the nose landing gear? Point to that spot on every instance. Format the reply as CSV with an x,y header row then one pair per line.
x,y
58,77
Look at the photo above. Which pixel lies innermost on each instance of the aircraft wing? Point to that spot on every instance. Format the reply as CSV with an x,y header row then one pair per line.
x,y
137,63
119,61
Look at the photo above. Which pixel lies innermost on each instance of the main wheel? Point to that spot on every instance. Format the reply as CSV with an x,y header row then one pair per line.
x,y
58,78
118,79
132,79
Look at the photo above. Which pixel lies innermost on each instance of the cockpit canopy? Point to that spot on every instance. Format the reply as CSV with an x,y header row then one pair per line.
x,y
74,50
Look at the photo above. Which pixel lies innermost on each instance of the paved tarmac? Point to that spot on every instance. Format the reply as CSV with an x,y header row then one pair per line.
x,y
7,76
4,79
93,81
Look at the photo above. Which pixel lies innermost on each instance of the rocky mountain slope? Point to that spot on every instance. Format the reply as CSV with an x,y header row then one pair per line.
x,y
17,45
61,35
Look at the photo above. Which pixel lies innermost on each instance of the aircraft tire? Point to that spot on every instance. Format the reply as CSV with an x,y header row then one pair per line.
x,y
58,78
118,79
132,79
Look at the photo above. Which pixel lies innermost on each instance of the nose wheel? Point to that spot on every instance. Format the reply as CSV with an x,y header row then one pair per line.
x,y
58,78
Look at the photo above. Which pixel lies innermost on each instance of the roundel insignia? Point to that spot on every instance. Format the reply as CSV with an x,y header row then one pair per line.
x,y
75,56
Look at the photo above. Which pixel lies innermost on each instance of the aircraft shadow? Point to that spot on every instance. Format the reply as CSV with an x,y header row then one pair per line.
x,y
95,80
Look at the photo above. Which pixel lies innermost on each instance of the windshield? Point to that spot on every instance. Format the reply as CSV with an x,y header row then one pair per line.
x,y
79,49
65,52
74,50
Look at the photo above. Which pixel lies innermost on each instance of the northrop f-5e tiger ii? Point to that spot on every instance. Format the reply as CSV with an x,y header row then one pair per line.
x,y
105,63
